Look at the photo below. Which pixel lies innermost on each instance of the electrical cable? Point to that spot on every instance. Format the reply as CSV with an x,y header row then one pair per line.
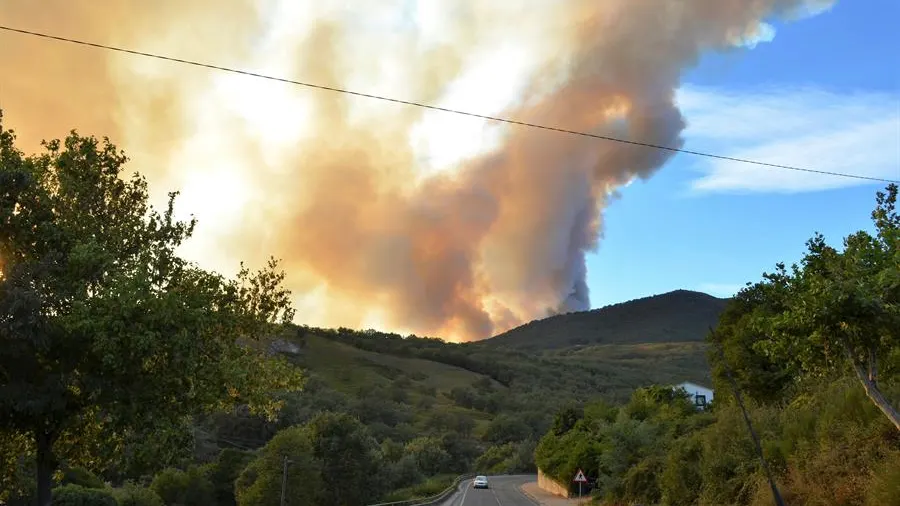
x,y
438,108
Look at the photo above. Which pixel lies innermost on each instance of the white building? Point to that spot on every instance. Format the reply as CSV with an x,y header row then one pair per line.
x,y
699,394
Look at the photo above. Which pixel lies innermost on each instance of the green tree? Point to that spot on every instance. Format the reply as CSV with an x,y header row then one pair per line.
x,y
76,495
507,429
565,420
16,476
762,377
81,477
133,495
351,459
429,455
462,451
681,480
842,307
184,488
391,450
509,458
442,420
103,328
260,484
224,471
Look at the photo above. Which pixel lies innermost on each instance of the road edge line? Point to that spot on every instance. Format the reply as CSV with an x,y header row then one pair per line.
x,y
521,489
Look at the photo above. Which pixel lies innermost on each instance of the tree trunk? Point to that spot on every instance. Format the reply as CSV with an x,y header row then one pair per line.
x,y
867,379
46,465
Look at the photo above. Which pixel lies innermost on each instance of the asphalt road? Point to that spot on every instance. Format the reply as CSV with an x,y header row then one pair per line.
x,y
504,491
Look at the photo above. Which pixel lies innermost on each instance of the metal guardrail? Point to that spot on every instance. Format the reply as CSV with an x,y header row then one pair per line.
x,y
433,500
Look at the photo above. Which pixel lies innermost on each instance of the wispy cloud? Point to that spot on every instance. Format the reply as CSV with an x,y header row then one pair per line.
x,y
856,133
721,289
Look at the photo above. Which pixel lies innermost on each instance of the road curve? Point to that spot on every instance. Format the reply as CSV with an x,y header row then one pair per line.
x,y
504,491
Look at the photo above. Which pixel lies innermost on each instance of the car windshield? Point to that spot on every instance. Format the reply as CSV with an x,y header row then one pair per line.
x,y
481,478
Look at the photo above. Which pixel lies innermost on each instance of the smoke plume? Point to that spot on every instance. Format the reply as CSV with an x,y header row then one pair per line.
x,y
385,214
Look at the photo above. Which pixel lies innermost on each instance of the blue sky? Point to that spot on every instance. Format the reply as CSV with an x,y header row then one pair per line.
x,y
823,94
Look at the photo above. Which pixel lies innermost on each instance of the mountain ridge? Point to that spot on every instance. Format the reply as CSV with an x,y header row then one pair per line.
x,y
676,316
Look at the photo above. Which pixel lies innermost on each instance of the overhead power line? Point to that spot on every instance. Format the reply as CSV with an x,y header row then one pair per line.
x,y
438,108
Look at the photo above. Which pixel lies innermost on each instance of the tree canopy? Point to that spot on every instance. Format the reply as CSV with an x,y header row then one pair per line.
x,y
836,308
104,328
330,460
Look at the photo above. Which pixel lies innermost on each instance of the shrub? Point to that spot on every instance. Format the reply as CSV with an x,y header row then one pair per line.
x,y
403,473
681,480
509,458
496,459
81,476
224,471
884,489
76,495
184,488
260,483
134,495
429,488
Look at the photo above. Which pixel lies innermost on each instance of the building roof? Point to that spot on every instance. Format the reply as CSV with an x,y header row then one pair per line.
x,y
688,383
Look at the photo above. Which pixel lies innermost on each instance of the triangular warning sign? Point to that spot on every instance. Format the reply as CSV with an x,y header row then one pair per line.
x,y
579,478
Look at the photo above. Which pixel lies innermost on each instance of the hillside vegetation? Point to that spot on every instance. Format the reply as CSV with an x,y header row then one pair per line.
x,y
814,349
679,316
431,410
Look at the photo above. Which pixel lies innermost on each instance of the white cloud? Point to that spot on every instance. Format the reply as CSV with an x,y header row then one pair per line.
x,y
856,133
764,32
720,289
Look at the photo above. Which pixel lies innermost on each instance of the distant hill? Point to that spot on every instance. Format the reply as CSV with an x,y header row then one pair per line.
x,y
679,316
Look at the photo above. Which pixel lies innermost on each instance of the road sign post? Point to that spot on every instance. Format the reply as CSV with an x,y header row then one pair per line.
x,y
580,479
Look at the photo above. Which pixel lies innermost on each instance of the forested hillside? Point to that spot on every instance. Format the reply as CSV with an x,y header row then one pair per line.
x,y
432,409
679,316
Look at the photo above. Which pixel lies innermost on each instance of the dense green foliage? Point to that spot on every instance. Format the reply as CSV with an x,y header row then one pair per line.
x,y
813,350
76,495
840,310
261,482
97,311
444,408
331,460
435,409
81,476
134,495
185,488
826,443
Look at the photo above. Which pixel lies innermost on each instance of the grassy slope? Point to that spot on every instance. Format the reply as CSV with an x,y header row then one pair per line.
x,y
662,362
351,370
346,367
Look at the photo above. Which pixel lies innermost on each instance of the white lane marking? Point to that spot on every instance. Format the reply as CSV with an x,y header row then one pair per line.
x,y
463,500
495,496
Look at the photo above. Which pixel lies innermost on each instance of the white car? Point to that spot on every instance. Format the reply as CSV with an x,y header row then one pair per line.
x,y
480,482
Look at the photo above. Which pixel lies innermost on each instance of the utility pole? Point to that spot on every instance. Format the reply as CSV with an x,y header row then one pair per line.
x,y
284,479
